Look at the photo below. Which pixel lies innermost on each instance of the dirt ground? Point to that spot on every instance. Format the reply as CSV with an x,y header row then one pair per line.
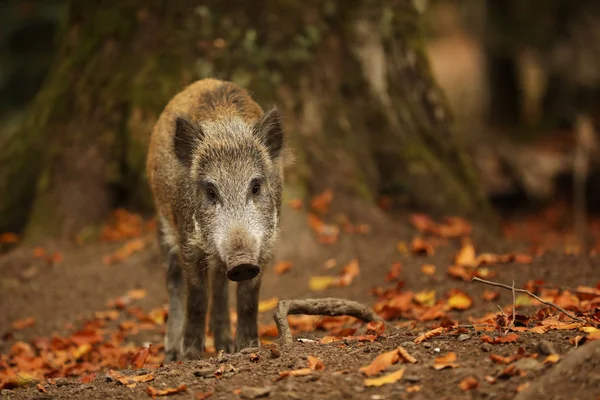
x,y
65,295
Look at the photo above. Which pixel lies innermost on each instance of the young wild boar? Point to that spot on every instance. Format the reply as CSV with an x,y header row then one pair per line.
x,y
215,166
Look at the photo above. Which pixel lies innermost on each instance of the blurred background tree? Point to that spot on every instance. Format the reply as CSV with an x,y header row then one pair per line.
x,y
352,78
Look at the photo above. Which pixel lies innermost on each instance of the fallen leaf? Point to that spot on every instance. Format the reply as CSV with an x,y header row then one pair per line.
x,y
140,358
459,300
429,334
394,272
375,328
315,364
381,362
319,283
510,338
296,372
413,388
522,386
9,238
136,294
152,392
402,249
425,297
88,378
392,377
203,395
41,388
267,305
552,359
282,267
490,379
24,323
490,295
428,269
254,357
445,361
330,263
125,251
349,272
420,246
460,272
466,255
405,356
321,202
296,204
469,383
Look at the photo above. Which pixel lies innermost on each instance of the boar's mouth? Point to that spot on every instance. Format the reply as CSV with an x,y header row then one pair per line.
x,y
242,272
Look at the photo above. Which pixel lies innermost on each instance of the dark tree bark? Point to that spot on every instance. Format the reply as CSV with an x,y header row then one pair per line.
x,y
351,77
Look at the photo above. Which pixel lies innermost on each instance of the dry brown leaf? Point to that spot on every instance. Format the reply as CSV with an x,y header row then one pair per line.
x,y
428,269
320,203
88,378
152,392
392,377
466,255
24,323
551,359
490,295
268,304
41,388
394,272
413,388
315,364
375,328
445,361
381,362
282,267
9,238
204,395
405,356
469,383
421,246
510,338
429,334
296,372
140,357
459,300
129,248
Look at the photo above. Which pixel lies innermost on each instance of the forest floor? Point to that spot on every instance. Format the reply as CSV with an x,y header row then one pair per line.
x,y
75,323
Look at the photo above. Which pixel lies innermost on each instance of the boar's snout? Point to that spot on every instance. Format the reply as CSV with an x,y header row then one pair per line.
x,y
242,272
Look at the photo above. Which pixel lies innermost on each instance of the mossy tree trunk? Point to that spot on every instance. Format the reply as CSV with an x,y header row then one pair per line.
x,y
351,77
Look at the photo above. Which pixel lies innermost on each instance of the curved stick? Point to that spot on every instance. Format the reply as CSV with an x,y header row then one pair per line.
x,y
327,306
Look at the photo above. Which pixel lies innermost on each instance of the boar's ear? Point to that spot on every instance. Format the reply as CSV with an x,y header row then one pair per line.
x,y
187,136
270,131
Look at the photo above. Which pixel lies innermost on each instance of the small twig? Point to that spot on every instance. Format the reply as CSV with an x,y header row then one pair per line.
x,y
326,306
548,303
501,310
514,312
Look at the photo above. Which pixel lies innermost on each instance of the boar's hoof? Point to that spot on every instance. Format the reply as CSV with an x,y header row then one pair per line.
x,y
242,272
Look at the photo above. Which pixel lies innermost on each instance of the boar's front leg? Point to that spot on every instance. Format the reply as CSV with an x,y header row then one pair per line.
x,y
175,287
219,314
196,304
247,313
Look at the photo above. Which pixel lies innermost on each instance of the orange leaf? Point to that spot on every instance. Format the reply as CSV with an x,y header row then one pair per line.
x,y
296,204
428,269
282,267
445,361
459,300
203,395
136,294
88,378
552,359
130,247
24,323
140,358
321,202
375,328
394,272
469,383
9,238
413,388
392,377
349,272
420,246
490,295
510,338
254,357
152,392
381,362
460,272
41,388
296,372
315,364
429,334
405,356
466,255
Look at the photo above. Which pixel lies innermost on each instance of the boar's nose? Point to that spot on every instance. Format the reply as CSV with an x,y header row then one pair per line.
x,y
242,272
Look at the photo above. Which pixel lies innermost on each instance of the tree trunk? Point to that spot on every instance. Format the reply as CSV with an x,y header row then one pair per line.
x,y
364,115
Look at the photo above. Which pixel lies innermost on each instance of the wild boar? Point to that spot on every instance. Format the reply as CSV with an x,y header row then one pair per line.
x,y
215,167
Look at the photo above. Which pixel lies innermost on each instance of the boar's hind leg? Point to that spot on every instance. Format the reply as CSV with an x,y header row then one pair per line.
x,y
247,312
174,338
196,305
219,314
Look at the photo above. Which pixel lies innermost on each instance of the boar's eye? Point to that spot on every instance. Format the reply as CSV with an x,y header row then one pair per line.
x,y
255,187
211,192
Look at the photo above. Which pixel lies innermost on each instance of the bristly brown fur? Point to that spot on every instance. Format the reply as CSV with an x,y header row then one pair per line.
x,y
215,166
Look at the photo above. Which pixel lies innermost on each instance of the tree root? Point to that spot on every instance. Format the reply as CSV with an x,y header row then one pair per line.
x,y
327,306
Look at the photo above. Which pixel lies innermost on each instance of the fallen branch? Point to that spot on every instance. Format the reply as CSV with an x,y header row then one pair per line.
x,y
326,306
527,292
